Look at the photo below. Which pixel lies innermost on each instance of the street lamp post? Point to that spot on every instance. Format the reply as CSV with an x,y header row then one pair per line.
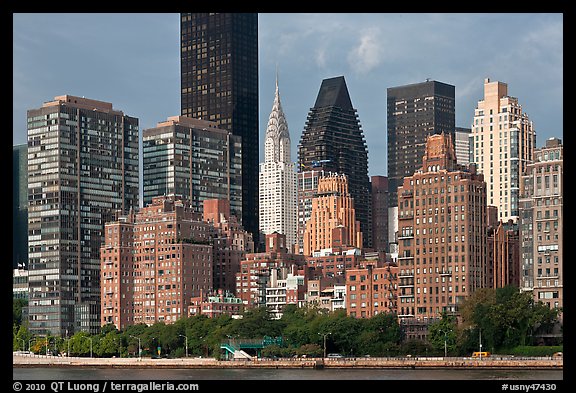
x,y
23,343
445,341
30,344
68,342
181,335
139,351
324,334
480,340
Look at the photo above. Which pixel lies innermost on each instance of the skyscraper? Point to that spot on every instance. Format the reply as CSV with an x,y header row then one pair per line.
x,y
504,142
414,112
333,137
192,158
278,181
19,206
219,82
82,171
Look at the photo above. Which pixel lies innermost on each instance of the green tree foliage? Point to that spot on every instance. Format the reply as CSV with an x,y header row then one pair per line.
x,y
17,305
504,318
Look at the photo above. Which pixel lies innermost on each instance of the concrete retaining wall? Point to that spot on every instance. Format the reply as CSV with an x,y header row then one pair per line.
x,y
494,363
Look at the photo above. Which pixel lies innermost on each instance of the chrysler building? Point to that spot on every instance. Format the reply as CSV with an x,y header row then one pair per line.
x,y
278,180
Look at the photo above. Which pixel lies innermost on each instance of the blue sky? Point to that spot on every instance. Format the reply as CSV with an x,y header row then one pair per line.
x,y
132,60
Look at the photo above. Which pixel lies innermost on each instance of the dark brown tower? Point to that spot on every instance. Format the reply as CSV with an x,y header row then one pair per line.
x,y
414,112
219,82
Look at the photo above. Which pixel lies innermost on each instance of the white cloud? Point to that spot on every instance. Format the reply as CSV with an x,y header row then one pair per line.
x,y
367,55
321,57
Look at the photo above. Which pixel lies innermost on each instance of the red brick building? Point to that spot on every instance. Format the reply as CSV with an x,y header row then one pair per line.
x,y
371,290
153,262
231,243
255,269
442,214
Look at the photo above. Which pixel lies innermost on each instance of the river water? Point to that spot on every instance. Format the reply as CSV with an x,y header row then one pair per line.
x,y
110,374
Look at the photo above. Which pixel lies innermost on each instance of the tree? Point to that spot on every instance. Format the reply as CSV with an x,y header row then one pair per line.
x,y
17,305
107,345
377,334
442,334
21,337
504,318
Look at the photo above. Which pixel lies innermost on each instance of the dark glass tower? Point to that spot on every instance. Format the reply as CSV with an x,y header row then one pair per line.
x,y
19,205
219,82
333,140
414,112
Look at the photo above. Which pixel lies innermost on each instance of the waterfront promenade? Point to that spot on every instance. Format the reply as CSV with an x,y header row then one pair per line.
x,y
29,360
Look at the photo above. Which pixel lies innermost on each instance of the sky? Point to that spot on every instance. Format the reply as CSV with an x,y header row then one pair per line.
x,y
132,60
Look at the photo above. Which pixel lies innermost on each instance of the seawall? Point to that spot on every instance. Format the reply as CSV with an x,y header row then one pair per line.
x,y
19,360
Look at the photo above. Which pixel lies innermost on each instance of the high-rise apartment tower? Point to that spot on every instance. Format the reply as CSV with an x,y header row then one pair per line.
x,y
504,142
82,171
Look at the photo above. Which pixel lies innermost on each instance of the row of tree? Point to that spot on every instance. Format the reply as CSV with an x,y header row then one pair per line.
x,y
500,319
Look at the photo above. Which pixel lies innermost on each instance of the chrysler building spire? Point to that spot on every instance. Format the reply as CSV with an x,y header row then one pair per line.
x,y
277,145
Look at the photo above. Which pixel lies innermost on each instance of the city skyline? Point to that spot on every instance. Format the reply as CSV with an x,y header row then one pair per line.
x,y
372,51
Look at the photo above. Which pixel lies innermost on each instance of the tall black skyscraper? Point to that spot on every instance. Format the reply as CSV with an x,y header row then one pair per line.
x,y
19,205
333,139
219,82
414,112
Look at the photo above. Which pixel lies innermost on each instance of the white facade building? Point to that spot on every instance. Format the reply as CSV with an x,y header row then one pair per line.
x,y
504,142
278,179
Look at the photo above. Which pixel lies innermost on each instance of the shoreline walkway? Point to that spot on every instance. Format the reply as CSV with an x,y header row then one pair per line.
x,y
30,360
